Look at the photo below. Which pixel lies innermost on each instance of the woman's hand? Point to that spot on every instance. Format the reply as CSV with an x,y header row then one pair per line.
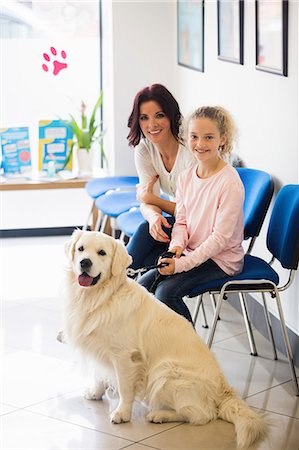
x,y
145,192
156,230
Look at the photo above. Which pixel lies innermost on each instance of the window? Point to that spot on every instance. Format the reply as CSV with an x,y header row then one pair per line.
x,y
50,61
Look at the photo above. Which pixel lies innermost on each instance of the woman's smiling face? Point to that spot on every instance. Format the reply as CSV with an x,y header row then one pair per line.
x,y
204,138
153,122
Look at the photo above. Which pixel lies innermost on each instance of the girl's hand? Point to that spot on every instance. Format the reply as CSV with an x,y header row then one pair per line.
x,y
167,270
177,250
155,228
145,192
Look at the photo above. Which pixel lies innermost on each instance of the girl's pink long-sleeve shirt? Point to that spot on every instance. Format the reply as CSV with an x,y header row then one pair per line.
x,y
209,220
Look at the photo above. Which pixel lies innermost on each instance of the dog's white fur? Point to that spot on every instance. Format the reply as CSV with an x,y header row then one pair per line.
x,y
148,350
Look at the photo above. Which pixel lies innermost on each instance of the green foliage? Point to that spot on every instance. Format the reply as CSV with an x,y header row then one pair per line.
x,y
90,130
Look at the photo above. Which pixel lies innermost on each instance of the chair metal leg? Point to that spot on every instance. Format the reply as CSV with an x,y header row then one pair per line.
x,y
204,316
113,227
88,217
269,325
196,309
214,302
215,320
247,324
200,305
99,221
287,342
103,224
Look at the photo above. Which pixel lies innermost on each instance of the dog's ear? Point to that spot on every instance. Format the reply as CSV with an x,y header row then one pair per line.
x,y
121,259
69,246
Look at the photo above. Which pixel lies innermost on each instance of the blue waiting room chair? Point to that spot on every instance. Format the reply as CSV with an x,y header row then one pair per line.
x,y
258,193
258,187
115,203
100,186
128,222
258,276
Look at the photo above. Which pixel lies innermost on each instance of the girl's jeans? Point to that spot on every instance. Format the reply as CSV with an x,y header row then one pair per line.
x,y
171,289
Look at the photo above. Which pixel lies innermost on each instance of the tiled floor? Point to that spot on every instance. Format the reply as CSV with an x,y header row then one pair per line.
x,y
41,381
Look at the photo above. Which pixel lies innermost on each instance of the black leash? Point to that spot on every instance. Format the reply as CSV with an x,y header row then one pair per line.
x,y
133,272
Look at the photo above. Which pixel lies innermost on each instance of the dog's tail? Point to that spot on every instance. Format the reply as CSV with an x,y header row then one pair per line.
x,y
249,425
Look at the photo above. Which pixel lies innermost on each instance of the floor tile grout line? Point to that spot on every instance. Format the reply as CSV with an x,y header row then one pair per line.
x,y
239,352
265,390
216,342
269,388
144,445
274,412
82,426
160,432
41,401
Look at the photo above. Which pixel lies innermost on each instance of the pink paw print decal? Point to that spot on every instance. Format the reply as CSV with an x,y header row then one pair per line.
x,y
57,65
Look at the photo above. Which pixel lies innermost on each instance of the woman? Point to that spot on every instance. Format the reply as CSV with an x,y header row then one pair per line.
x,y
160,157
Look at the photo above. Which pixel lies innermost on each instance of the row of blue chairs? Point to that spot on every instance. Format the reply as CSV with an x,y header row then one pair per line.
x,y
119,202
122,188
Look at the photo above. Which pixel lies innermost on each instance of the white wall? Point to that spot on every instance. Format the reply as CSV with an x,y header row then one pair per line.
x,y
265,106
48,208
138,51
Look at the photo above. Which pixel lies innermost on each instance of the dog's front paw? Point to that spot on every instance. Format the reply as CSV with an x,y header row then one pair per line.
x,y
120,416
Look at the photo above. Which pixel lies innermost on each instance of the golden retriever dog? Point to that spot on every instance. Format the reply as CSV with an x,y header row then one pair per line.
x,y
142,347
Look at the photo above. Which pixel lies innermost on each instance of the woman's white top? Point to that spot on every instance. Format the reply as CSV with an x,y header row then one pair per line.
x,y
148,162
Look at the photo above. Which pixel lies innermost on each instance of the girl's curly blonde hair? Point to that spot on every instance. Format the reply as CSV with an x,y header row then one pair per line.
x,y
223,121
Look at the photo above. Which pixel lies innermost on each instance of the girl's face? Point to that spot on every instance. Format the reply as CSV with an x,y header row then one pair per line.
x,y
204,139
153,122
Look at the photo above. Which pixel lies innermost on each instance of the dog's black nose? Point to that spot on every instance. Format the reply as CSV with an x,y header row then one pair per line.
x,y
85,263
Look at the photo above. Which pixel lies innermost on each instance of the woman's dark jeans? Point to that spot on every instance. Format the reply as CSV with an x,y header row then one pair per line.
x,y
143,248
171,289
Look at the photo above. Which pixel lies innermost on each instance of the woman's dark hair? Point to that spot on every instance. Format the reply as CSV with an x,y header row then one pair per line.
x,y
169,105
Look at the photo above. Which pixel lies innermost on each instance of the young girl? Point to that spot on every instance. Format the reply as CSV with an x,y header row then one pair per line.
x,y
208,230
160,157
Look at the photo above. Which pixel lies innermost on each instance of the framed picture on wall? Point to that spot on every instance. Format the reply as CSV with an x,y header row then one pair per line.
x,y
190,33
271,25
230,15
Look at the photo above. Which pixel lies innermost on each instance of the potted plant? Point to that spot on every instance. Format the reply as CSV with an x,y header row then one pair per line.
x,y
86,134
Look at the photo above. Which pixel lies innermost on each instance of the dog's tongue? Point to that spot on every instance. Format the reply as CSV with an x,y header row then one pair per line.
x,y
85,280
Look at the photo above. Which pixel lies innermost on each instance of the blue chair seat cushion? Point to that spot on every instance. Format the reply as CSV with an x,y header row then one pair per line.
x,y
100,186
129,221
254,269
116,203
